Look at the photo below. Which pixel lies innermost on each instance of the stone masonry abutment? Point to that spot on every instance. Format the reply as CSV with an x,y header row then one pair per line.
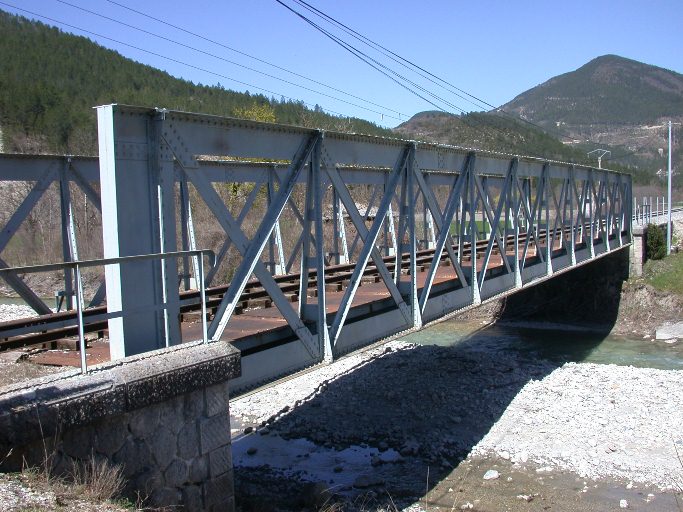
x,y
162,416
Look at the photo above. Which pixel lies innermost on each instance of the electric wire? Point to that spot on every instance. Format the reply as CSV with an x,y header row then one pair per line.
x,y
245,54
198,50
421,71
374,63
171,59
356,52
397,58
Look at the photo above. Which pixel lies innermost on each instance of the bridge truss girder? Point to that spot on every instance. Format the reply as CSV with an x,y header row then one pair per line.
x,y
537,217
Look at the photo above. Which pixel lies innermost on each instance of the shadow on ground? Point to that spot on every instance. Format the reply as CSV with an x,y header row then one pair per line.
x,y
416,414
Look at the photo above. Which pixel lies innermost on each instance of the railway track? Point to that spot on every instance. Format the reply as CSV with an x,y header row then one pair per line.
x,y
47,329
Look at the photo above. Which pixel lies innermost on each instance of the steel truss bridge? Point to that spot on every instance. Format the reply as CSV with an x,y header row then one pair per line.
x,y
401,233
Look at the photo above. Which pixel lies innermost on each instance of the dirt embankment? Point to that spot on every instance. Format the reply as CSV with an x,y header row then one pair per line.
x,y
642,309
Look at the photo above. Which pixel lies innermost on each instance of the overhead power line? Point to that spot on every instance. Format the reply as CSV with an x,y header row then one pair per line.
x,y
245,54
421,71
218,57
401,60
386,71
171,59
397,58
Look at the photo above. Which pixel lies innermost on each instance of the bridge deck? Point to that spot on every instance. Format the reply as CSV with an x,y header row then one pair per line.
x,y
261,320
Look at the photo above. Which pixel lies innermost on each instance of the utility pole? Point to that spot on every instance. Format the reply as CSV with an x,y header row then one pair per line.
x,y
601,153
668,220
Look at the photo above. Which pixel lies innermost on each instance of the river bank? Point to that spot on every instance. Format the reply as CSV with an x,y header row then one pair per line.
x,y
405,423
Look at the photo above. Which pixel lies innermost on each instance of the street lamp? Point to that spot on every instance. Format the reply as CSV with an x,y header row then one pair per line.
x,y
601,153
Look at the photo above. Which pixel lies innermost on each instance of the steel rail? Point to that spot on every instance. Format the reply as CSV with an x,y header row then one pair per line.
x,y
56,326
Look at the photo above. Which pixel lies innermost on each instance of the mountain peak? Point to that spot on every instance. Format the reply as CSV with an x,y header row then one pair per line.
x,y
608,89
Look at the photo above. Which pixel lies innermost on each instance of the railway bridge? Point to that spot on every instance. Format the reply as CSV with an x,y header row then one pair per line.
x,y
231,244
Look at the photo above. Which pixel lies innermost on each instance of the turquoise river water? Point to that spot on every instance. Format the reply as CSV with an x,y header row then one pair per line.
x,y
555,343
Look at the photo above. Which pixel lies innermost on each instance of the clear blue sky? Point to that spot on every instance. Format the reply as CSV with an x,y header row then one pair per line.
x,y
493,49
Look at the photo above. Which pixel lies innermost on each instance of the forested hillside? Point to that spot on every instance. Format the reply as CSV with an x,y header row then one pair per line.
x,y
614,103
497,132
50,80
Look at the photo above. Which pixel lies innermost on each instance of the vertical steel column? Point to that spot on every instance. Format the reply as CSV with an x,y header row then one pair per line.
x,y
69,246
410,170
162,179
591,192
187,236
485,205
548,235
572,225
340,247
276,251
308,261
138,217
472,201
323,331
404,213
517,202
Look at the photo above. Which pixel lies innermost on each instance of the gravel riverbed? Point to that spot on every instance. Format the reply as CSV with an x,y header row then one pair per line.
x,y
386,418
9,312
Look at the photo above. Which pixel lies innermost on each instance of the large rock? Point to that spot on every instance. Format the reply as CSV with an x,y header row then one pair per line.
x,y
670,331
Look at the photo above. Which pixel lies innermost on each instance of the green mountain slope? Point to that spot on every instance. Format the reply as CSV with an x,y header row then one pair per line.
x,y
607,90
50,80
487,131
613,103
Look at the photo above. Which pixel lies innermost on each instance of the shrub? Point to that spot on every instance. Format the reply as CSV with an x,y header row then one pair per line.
x,y
656,242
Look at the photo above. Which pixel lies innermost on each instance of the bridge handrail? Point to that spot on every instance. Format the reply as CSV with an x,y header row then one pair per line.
x,y
76,266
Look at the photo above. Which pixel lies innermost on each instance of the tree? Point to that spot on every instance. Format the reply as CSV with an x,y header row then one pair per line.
x,y
256,112
656,242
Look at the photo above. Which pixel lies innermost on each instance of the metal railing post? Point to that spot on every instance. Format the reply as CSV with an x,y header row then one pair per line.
x,y
202,294
79,313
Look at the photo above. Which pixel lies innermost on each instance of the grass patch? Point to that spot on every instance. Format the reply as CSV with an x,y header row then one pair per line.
x,y
666,274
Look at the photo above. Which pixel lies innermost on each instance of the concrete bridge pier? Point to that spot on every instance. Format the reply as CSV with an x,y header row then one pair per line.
x,y
639,248
638,253
162,416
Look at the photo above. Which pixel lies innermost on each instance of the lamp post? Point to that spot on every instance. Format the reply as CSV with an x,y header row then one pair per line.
x,y
668,218
601,153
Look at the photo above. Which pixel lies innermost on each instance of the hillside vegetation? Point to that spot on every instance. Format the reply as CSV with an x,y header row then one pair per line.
x,y
50,80
608,89
498,132
613,102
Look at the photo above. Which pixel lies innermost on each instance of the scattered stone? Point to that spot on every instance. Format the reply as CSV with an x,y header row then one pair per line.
x,y
504,455
252,450
623,504
248,430
365,481
491,474
525,497
467,506
12,356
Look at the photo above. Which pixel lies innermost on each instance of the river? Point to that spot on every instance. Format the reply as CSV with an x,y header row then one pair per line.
x,y
554,343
